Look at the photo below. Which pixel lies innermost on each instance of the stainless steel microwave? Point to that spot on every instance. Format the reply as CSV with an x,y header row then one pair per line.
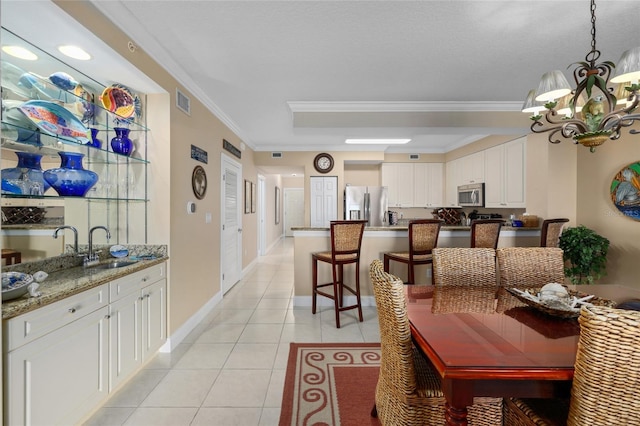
x,y
471,195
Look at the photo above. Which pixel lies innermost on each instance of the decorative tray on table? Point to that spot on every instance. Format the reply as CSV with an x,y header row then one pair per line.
x,y
558,303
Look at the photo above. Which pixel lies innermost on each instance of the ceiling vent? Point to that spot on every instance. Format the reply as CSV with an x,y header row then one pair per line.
x,y
414,156
276,155
183,102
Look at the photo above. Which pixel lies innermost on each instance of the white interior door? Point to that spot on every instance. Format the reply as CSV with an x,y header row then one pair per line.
x,y
293,209
262,211
231,249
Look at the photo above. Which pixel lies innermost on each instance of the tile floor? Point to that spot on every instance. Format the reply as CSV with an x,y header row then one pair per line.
x,y
230,369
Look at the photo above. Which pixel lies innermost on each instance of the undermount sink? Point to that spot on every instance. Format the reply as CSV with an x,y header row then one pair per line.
x,y
114,264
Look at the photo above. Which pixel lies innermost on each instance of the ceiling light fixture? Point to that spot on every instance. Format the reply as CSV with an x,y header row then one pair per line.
x,y
20,52
598,120
74,52
377,141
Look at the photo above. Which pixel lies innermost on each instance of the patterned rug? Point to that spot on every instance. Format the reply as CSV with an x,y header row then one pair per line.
x,y
330,384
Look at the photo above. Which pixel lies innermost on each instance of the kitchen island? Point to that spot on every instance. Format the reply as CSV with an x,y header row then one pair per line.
x,y
375,242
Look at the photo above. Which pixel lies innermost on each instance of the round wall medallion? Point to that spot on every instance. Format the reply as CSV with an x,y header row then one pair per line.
x,y
323,163
199,182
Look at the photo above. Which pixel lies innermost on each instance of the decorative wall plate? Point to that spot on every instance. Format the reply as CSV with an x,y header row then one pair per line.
x,y
53,119
199,182
119,100
625,190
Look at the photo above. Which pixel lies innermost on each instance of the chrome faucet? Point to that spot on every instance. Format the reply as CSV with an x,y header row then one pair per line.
x,y
92,258
75,236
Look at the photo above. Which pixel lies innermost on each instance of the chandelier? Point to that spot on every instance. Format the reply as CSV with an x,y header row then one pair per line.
x,y
588,114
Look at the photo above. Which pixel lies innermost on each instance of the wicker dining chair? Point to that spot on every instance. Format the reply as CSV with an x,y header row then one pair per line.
x,y
408,390
346,240
464,280
551,231
423,237
526,268
485,233
606,383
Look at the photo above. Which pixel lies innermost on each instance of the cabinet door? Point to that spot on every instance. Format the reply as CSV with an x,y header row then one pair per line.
x,y
494,177
452,180
405,184
59,378
390,180
435,184
324,200
154,317
125,338
514,192
473,168
428,185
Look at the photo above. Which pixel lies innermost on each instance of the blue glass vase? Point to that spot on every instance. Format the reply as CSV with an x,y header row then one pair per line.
x,y
121,144
95,142
28,169
71,179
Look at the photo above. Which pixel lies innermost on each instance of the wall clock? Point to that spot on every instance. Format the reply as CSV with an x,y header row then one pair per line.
x,y
199,182
323,163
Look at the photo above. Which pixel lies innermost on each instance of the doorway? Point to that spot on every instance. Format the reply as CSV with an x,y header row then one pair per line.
x,y
293,209
231,217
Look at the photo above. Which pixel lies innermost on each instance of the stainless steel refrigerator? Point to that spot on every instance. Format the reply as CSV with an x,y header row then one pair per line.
x,y
366,202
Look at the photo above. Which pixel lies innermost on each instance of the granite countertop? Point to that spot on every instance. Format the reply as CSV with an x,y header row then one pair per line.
x,y
67,277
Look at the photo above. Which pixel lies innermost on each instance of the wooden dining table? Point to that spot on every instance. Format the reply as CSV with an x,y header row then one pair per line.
x,y
518,353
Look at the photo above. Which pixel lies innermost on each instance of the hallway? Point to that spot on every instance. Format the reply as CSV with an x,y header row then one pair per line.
x,y
230,370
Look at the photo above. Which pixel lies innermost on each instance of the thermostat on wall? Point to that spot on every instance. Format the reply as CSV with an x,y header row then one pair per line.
x,y
191,207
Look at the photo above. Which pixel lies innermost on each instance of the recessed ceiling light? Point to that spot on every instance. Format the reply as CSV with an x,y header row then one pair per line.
x,y
74,52
20,52
378,141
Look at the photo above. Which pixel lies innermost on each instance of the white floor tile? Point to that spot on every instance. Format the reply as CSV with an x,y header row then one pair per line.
x,y
205,356
252,356
161,417
227,416
182,388
239,388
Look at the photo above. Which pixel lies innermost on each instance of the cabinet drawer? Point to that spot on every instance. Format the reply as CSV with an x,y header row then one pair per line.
x,y
25,328
133,282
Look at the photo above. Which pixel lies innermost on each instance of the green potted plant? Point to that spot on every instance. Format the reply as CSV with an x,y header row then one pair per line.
x,y
586,254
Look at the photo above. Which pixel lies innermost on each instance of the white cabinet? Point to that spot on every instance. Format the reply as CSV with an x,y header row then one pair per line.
x,y
62,360
414,184
324,200
504,175
472,168
428,183
452,180
62,375
398,177
138,312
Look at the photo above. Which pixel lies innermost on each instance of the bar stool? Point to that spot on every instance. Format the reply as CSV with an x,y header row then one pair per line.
x,y
423,237
551,231
11,257
346,240
485,233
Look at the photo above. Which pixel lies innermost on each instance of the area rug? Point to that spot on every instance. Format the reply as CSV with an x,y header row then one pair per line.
x,y
330,384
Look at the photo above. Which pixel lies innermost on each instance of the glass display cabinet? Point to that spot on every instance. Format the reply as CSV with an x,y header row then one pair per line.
x,y
49,107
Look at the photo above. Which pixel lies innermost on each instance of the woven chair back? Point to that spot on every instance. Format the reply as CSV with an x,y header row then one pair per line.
x,y
551,231
396,365
526,268
423,236
346,236
464,279
607,368
485,233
